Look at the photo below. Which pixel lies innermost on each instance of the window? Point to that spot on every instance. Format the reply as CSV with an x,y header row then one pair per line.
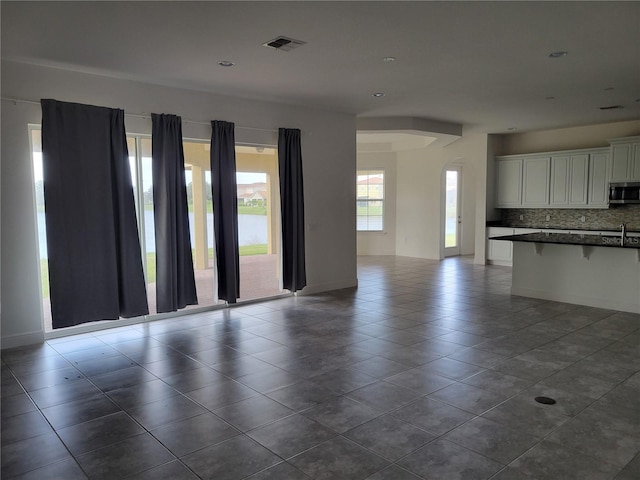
x,y
370,200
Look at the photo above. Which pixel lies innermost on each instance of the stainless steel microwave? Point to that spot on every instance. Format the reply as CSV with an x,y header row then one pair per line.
x,y
624,192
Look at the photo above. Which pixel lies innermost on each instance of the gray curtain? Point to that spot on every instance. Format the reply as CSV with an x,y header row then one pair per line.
x,y
225,209
292,209
175,281
95,264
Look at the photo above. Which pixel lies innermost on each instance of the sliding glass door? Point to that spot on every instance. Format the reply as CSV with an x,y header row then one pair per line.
x,y
258,222
258,219
198,180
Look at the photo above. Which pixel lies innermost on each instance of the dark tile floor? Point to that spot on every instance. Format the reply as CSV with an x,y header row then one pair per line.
x,y
428,370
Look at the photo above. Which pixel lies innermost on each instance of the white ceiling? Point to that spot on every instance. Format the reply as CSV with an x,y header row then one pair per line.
x,y
483,65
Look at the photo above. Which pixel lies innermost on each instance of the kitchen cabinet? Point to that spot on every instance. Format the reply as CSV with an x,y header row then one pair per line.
x,y
566,179
598,191
569,175
625,159
560,175
499,251
535,181
509,182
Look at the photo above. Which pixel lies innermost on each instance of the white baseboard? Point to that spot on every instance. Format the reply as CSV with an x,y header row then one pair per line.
x,y
22,339
577,300
327,287
501,263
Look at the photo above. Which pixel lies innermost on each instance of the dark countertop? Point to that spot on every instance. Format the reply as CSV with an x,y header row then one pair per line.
x,y
585,229
573,239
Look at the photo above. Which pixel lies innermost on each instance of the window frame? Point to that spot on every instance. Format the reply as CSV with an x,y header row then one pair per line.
x,y
371,172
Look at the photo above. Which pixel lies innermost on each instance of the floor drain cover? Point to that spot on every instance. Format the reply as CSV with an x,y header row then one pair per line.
x,y
545,400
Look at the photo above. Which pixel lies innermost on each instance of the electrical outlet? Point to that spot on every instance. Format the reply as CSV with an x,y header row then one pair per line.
x,y
582,218
548,217
521,217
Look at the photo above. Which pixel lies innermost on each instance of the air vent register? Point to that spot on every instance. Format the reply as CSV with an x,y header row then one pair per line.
x,y
284,44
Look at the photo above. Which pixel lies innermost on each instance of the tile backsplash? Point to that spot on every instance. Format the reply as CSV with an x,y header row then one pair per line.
x,y
594,219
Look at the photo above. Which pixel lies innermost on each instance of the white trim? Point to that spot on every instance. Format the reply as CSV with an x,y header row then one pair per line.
x,y
500,263
31,128
327,287
22,339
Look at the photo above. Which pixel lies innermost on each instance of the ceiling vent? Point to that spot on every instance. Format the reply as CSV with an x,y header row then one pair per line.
x,y
612,107
283,43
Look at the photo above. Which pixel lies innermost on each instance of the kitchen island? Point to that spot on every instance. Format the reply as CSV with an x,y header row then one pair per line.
x,y
592,270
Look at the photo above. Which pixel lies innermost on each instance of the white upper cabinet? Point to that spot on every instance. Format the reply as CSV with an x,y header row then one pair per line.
x,y
535,181
625,159
509,182
598,180
578,183
569,179
560,180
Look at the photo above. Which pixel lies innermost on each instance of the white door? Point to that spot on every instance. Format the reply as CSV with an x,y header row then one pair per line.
x,y
452,217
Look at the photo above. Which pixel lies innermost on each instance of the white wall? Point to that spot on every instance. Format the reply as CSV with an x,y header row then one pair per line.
x,y
381,243
589,136
329,162
468,208
418,204
419,217
494,147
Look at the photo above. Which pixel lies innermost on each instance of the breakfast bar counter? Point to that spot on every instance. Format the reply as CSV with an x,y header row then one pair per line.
x,y
575,239
592,270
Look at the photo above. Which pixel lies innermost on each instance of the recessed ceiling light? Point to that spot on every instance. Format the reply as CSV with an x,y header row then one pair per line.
x,y
226,63
389,59
377,94
608,89
549,98
558,54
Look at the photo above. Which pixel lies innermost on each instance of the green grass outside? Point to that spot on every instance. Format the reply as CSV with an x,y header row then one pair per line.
x,y
151,267
450,240
242,209
370,211
247,250
251,210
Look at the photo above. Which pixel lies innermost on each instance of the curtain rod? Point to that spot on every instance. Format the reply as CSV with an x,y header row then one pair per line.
x,y
147,116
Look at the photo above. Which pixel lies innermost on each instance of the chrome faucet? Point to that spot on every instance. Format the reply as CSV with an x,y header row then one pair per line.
x,y
623,233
